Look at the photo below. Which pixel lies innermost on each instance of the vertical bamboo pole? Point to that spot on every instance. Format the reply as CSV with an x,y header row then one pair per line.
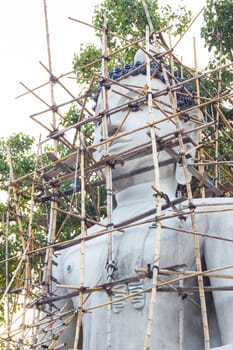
x,y
217,178
50,63
25,246
151,27
180,237
108,175
200,152
7,305
28,265
158,204
83,235
53,205
28,277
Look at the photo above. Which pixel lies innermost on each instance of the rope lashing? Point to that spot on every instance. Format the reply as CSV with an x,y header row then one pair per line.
x,y
168,202
111,268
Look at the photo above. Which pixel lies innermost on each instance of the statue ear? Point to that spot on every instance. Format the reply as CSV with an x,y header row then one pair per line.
x,y
188,125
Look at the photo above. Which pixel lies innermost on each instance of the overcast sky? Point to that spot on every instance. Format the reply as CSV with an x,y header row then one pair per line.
x,y
23,45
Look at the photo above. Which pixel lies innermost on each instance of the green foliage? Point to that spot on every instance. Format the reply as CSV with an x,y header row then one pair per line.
x,y
22,157
127,18
88,54
180,18
23,161
71,117
217,28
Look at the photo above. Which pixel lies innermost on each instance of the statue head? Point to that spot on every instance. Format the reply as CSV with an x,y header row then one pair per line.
x,y
129,121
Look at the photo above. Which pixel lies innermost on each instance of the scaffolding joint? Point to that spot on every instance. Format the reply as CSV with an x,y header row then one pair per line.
x,y
53,79
150,270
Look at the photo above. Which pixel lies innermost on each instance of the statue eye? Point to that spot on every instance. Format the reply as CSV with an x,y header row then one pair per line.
x,y
98,123
69,268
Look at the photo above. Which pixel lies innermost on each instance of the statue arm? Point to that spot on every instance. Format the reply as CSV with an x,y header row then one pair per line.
x,y
218,253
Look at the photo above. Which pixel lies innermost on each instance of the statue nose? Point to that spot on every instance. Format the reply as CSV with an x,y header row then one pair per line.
x,y
112,128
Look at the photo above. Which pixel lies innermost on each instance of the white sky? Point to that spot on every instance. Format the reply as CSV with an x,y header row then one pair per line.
x,y
23,45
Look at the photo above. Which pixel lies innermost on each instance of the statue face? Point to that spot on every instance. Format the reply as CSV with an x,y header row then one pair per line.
x,y
128,119
131,119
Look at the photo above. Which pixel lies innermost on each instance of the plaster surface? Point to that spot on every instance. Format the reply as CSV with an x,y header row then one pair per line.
x,y
134,247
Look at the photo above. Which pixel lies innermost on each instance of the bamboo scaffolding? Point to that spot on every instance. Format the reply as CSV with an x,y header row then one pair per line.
x,y
88,168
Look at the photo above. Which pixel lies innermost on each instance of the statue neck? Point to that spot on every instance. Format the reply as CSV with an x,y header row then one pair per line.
x,y
142,194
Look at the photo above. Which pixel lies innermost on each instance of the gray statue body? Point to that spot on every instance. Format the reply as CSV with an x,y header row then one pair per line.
x,y
134,249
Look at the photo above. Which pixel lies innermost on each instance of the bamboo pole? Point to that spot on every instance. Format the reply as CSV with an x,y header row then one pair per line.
x,y
200,151
108,175
28,265
189,26
197,251
7,306
83,234
53,206
158,205
217,174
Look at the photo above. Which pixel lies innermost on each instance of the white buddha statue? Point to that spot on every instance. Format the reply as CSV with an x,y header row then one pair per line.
x,y
133,247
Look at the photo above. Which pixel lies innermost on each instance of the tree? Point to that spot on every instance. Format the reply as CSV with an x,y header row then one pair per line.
x,y
217,28
217,33
131,27
20,150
